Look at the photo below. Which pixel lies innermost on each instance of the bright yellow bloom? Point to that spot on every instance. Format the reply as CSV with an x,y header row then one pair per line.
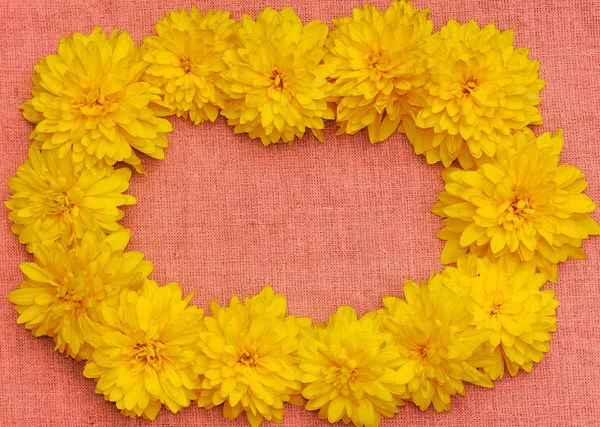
x,y
480,90
506,299
65,289
438,348
523,204
350,370
521,139
276,81
144,351
377,58
50,200
185,60
89,103
248,358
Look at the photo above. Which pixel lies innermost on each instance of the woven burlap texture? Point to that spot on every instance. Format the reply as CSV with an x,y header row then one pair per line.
x,y
342,222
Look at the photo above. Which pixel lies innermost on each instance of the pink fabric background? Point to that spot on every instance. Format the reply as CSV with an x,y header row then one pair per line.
x,y
326,224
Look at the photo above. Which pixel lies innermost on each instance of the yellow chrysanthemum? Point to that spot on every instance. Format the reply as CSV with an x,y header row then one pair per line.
x,y
506,299
349,370
376,60
438,349
480,90
51,200
186,58
144,351
248,358
88,102
521,139
276,80
65,289
523,204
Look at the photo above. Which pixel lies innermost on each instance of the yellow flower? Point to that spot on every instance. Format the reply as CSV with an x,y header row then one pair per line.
x,y
480,90
65,289
276,81
377,59
144,351
521,139
349,370
185,61
523,204
506,299
518,141
247,358
89,103
51,201
438,348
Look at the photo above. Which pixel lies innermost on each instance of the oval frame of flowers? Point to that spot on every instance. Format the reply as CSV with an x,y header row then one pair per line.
x,y
511,213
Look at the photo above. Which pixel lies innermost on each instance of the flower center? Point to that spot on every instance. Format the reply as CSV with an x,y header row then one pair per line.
x,y
70,291
496,309
93,102
56,203
186,65
248,359
520,207
277,79
149,353
375,61
345,374
470,85
427,350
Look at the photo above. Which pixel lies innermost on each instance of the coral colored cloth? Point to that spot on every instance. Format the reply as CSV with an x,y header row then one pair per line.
x,y
342,222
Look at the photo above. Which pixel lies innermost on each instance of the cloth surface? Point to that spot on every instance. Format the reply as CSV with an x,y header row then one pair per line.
x,y
344,222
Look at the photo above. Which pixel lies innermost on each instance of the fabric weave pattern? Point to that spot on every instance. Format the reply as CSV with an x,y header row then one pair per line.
x,y
344,222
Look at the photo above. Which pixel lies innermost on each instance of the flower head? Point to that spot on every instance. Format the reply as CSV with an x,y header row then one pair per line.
x,y
51,200
377,59
438,347
506,299
88,102
523,204
480,90
275,79
185,60
144,350
349,370
65,289
248,358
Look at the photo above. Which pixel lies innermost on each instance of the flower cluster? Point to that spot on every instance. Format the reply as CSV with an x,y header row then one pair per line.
x,y
523,204
510,214
90,104
378,60
479,90
66,288
349,368
247,358
276,81
438,349
144,350
506,300
186,58
52,201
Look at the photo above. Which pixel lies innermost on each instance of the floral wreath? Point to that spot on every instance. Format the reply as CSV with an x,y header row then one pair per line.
x,y
510,212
